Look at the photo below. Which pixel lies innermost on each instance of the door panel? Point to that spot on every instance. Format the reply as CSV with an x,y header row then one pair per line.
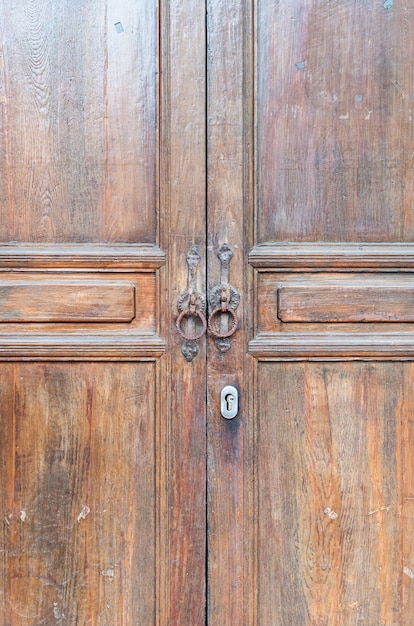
x,y
102,155
79,112
325,130
334,493
79,492
334,121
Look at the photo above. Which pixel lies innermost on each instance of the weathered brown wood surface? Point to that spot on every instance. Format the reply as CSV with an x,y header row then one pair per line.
x,y
228,584
66,301
78,141
382,300
78,497
102,192
326,203
335,484
328,459
130,132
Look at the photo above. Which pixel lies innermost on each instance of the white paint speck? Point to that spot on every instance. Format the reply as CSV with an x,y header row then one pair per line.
x,y
368,114
56,611
409,572
330,513
108,572
23,515
344,117
84,513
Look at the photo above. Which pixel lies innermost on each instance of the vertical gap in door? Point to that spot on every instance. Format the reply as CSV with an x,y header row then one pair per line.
x,y
206,288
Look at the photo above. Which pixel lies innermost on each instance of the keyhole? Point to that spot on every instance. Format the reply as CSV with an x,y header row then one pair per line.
x,y
229,401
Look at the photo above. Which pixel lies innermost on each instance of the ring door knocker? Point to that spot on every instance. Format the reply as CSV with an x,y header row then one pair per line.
x,y
191,322
223,301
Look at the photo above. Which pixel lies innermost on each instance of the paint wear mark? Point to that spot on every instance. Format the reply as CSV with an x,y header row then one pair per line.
x,y
108,572
84,513
388,4
301,65
330,513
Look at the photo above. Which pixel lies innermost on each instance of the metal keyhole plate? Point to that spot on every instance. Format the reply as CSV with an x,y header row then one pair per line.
x,y
229,402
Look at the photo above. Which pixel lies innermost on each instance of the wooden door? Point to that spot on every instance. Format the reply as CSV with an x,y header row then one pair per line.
x,y
106,154
310,148
102,162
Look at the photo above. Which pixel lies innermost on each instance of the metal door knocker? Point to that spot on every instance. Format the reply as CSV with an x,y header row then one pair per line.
x,y
191,322
223,301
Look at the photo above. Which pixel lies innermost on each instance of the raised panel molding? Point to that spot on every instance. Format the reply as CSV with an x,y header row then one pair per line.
x,y
122,257
127,285
283,346
349,256
77,347
276,341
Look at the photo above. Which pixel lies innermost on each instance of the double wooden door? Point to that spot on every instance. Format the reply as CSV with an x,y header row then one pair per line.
x,y
131,132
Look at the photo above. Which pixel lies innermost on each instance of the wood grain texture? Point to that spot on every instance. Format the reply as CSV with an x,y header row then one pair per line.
x,y
337,301
78,493
78,125
334,120
49,315
228,585
66,301
335,493
360,301
182,404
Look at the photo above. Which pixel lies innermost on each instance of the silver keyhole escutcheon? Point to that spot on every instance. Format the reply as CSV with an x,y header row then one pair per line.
x,y
229,402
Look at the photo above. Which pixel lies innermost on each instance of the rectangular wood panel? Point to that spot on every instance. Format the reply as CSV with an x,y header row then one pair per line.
x,y
346,302
335,493
66,301
334,121
78,150
78,500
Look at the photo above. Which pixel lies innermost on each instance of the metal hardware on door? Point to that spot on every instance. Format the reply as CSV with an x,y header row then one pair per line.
x,y
223,300
229,402
191,322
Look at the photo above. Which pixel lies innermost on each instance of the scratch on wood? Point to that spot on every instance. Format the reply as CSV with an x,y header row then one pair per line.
x,y
84,513
381,508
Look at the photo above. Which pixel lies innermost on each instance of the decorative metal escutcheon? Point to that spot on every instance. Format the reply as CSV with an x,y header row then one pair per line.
x,y
223,301
191,322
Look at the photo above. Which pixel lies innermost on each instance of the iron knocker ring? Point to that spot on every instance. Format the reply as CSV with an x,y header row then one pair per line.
x,y
213,325
191,313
